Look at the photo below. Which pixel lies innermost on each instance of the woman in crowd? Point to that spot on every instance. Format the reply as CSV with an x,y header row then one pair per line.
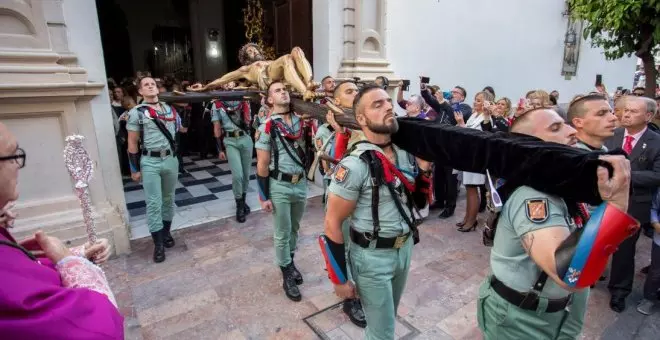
x,y
539,98
502,115
480,120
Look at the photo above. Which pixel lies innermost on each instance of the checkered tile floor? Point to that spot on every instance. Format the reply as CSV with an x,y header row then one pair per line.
x,y
203,195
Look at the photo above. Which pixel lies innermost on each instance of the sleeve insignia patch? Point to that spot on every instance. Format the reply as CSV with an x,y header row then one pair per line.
x,y
537,209
341,172
318,143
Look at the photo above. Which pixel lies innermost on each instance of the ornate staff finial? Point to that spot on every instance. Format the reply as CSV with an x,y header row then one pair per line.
x,y
81,167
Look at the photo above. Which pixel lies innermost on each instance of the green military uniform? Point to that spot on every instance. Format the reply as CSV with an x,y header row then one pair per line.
x,y
575,321
289,198
380,275
238,144
325,137
526,210
260,117
159,174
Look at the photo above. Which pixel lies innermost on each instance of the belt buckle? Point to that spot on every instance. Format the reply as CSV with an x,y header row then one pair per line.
x,y
530,299
400,241
235,134
295,178
163,153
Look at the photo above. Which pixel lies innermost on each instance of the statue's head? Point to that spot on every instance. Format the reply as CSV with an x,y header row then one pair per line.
x,y
250,53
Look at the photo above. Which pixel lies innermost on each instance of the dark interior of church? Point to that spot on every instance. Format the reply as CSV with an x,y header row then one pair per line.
x,y
159,36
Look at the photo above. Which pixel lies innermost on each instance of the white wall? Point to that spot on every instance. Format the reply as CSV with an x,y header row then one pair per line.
x,y
327,21
85,42
512,45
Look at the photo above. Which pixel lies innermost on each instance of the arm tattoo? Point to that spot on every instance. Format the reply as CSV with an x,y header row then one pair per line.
x,y
527,242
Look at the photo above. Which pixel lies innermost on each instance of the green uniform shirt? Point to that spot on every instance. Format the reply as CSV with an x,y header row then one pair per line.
x,y
509,261
153,139
351,181
260,117
223,116
323,134
263,141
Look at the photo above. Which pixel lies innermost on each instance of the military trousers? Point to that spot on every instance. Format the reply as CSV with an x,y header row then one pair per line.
x,y
239,157
159,177
499,319
380,276
289,201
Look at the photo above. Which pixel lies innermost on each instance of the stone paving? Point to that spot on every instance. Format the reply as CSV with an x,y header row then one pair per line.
x,y
220,282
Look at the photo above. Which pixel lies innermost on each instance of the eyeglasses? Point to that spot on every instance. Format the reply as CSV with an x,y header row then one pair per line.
x,y
18,157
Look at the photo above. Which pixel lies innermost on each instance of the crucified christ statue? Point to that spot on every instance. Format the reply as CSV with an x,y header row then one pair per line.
x,y
293,69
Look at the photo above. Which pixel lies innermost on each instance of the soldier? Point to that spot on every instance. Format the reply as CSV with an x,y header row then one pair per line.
x,y
517,301
594,122
155,124
281,180
377,186
326,140
230,128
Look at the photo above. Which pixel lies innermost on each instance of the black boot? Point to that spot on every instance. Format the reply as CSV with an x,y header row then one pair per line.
x,y
159,249
240,211
289,283
168,240
245,206
353,308
447,213
296,274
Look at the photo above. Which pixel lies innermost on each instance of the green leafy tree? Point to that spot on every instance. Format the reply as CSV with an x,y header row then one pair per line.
x,y
623,27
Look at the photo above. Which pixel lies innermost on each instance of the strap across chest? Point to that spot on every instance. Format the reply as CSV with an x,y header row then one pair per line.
x,y
278,131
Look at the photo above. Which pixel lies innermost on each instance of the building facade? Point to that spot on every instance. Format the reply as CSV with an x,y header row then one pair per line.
x,y
53,81
52,85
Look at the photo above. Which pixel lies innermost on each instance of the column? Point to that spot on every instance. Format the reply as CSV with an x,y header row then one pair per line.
x,y
46,94
365,47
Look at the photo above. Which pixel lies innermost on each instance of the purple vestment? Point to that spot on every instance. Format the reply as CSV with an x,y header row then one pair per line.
x,y
36,304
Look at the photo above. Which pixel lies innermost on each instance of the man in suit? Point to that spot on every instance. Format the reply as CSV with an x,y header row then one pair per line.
x,y
643,148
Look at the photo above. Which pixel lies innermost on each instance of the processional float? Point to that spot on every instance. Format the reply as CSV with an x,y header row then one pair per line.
x,y
552,168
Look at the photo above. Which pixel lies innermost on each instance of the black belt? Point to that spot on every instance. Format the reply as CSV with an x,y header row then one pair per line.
x,y
157,153
527,301
363,239
236,133
284,177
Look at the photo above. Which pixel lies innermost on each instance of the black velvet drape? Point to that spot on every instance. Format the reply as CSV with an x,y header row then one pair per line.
x,y
553,168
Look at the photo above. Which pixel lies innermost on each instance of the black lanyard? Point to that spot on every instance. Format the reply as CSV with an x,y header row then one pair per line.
x,y
19,247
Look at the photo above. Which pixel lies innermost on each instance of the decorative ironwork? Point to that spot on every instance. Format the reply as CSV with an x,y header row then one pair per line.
x,y
253,19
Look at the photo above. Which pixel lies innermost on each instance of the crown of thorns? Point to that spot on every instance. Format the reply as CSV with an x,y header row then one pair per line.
x,y
243,56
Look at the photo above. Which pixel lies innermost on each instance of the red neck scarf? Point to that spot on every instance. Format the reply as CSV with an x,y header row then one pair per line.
x,y
155,114
390,171
286,132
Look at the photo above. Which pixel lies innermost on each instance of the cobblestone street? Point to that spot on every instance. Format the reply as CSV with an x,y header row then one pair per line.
x,y
220,282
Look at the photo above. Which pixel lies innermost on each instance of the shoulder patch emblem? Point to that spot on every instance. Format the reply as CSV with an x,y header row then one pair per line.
x,y
341,172
319,143
537,209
